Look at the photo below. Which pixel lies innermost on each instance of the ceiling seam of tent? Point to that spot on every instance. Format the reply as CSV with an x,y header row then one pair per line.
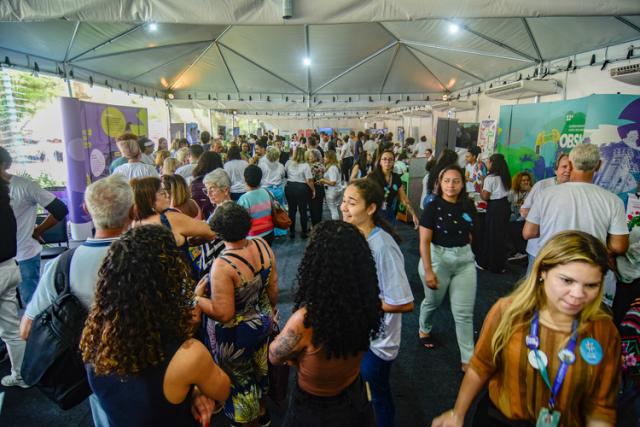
x,y
532,39
389,67
262,68
106,42
397,39
224,61
164,64
493,41
468,51
73,39
144,49
198,58
353,67
628,23
480,79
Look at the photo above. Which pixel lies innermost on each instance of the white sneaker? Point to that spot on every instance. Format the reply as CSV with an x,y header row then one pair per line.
x,y
13,381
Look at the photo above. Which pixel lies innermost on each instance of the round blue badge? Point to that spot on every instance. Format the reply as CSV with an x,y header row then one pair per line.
x,y
591,351
466,217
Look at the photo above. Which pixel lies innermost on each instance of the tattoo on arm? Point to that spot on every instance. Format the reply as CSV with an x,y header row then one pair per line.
x,y
285,344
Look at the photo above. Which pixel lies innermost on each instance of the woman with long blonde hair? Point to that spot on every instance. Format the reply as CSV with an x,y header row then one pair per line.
x,y
333,180
550,354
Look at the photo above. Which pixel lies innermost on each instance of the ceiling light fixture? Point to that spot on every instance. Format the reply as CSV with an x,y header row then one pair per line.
x,y
153,26
306,61
453,28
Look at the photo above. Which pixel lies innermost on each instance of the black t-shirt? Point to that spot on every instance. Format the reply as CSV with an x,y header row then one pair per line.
x,y
451,223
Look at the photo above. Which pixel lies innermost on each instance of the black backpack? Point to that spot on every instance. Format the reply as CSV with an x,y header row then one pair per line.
x,y
52,359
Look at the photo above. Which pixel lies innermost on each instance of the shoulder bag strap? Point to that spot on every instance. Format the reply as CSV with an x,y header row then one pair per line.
x,y
61,278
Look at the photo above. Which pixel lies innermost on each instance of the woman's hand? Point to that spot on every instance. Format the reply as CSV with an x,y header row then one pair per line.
x,y
416,222
201,288
431,279
448,419
201,407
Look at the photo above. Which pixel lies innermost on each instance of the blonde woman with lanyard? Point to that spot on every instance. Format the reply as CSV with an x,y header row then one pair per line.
x,y
549,352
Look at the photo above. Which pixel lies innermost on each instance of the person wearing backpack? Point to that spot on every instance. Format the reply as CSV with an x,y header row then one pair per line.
x,y
109,202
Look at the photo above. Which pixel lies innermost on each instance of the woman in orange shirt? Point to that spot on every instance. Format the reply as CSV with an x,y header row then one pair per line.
x,y
550,354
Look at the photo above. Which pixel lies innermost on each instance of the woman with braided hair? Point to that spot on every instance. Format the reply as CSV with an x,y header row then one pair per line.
x,y
337,313
142,363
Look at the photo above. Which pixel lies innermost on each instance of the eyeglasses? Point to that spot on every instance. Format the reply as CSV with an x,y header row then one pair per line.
x,y
210,190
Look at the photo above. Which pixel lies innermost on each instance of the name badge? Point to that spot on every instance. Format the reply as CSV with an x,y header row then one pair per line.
x,y
548,418
591,351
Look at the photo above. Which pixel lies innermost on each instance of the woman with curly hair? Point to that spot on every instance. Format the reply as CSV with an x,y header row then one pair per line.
x,y
141,360
548,351
243,297
361,207
337,313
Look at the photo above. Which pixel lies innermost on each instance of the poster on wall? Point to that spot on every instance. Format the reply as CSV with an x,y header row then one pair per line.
x,y
401,133
487,136
532,136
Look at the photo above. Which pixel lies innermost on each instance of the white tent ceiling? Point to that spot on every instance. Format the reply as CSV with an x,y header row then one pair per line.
x,y
360,51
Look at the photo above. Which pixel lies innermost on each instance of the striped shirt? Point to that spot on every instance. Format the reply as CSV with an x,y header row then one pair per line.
x,y
258,203
518,390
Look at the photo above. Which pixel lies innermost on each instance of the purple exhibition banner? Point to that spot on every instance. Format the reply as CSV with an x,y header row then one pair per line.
x,y
90,131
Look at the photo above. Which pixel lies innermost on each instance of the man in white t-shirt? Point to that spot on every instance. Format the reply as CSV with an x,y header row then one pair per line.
x,y
579,205
109,201
563,173
370,147
420,149
26,195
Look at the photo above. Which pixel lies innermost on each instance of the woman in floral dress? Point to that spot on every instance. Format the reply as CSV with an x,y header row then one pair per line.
x,y
242,301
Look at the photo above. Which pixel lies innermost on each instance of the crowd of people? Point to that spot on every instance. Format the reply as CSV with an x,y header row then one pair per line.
x,y
181,282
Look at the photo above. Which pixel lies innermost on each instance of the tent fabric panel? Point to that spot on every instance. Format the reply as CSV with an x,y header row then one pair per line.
x,y
449,76
128,66
437,32
510,31
165,35
305,11
367,78
47,39
251,78
207,75
336,48
485,67
409,75
558,37
170,69
280,49
92,34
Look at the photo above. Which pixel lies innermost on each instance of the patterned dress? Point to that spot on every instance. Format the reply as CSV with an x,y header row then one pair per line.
x,y
240,345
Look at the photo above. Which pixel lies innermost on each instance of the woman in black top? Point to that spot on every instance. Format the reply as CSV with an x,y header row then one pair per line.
x,y
446,259
391,183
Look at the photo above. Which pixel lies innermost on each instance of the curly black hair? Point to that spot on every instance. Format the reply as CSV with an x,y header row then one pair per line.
x,y
143,303
231,222
338,284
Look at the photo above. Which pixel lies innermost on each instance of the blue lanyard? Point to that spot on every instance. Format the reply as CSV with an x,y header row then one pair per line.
x,y
533,343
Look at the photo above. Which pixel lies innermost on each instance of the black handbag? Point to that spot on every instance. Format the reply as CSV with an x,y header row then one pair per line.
x,y
52,359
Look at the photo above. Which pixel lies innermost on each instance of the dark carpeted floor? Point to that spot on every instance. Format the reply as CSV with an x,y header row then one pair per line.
x,y
424,382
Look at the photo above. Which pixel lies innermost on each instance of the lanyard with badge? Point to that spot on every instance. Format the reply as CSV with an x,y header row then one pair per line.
x,y
548,417
590,350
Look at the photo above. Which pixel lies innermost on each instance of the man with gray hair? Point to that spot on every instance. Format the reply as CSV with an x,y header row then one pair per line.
x,y
579,205
110,202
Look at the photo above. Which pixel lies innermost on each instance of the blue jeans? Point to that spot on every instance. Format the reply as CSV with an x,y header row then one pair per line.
x,y
376,372
30,272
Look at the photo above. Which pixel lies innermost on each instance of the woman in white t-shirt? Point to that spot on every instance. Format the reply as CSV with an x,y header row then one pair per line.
x,y
273,180
333,180
134,168
235,167
495,190
361,207
299,190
